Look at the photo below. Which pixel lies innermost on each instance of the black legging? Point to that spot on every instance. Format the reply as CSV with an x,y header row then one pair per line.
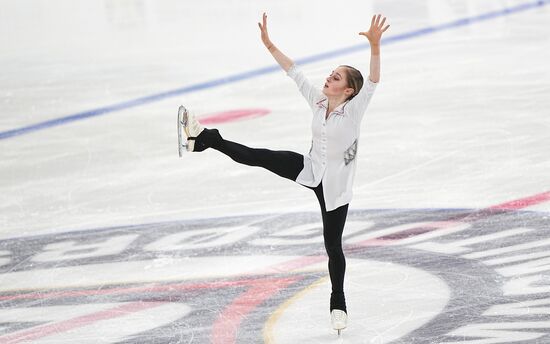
x,y
289,165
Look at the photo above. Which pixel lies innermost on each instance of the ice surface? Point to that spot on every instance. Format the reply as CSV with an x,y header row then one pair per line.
x,y
101,217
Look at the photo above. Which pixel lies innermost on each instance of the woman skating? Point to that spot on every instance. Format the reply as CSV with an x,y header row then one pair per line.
x,y
329,167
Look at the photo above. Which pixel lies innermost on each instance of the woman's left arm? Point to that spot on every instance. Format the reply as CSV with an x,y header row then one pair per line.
x,y
358,105
374,35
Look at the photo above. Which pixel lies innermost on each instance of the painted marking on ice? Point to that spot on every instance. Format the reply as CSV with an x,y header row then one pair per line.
x,y
460,246
224,330
232,115
81,321
69,249
267,70
517,258
141,271
527,285
503,332
155,289
530,307
294,264
202,238
503,250
523,202
409,233
270,323
309,233
5,258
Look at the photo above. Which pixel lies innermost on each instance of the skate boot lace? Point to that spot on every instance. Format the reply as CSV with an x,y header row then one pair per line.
x,y
193,126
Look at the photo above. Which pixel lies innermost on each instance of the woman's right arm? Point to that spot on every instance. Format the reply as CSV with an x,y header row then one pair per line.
x,y
284,61
309,92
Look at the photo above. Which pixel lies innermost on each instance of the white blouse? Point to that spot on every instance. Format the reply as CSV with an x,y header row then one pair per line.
x,y
331,158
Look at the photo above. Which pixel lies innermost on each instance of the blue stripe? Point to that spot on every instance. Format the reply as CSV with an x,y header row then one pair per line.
x,y
266,70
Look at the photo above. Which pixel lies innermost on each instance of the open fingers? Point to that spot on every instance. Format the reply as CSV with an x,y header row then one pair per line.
x,y
382,23
377,21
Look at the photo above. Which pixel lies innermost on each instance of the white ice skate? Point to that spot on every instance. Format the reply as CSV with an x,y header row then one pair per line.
x,y
339,320
188,125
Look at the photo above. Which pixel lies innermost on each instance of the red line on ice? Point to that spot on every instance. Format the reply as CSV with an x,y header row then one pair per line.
x,y
469,217
70,324
232,115
523,202
224,330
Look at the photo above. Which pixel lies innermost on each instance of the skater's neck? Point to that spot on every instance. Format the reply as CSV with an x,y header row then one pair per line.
x,y
334,102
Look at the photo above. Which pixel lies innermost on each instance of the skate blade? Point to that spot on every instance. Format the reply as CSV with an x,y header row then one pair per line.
x,y
182,124
340,332
340,337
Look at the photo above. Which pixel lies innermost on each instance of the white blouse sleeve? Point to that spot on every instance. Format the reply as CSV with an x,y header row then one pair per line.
x,y
310,92
358,105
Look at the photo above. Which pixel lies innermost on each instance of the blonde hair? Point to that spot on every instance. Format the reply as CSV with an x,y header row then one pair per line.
x,y
355,80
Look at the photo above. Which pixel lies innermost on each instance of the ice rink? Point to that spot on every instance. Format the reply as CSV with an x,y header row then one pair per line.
x,y
108,236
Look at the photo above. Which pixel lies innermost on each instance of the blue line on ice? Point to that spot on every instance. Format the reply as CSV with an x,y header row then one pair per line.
x,y
266,70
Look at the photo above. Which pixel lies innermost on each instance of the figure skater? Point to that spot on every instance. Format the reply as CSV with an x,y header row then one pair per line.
x,y
329,167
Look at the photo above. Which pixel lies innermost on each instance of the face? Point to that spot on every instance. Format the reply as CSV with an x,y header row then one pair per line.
x,y
337,84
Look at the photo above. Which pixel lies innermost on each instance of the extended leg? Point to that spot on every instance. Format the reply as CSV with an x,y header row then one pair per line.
x,y
283,163
286,164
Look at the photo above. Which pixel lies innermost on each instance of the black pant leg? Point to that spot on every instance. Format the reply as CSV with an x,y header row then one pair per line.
x,y
333,227
289,165
286,164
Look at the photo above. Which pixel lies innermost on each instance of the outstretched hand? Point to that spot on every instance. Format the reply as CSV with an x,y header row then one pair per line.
x,y
376,29
284,61
265,35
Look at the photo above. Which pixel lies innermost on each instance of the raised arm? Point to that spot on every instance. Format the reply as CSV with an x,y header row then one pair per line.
x,y
284,61
374,35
